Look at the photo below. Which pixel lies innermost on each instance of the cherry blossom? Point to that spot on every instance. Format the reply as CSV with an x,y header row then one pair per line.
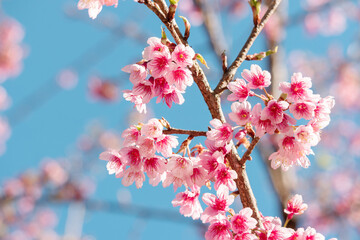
x,y
241,112
256,77
189,203
243,221
183,55
217,206
240,91
295,206
222,133
298,89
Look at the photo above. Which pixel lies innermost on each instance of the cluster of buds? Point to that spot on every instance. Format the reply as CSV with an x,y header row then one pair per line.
x,y
167,64
295,140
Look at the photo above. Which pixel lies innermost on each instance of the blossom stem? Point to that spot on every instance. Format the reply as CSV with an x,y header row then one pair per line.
x,y
286,222
261,97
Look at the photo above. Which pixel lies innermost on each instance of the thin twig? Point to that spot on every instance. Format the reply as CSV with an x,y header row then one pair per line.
x,y
246,155
230,73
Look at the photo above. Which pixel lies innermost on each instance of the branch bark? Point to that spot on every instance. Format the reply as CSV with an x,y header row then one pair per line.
x,y
230,73
186,132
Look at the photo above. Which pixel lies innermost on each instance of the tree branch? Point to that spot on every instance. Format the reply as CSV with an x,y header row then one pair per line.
x,y
230,73
186,132
248,152
214,103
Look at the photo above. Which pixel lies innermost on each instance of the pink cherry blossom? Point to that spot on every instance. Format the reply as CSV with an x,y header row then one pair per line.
x,y
56,174
298,89
219,230
114,165
212,161
310,233
272,230
130,136
217,206
306,135
189,203
177,182
210,144
10,60
225,177
183,55
94,7
152,128
102,89
241,112
136,99
240,91
198,177
160,64
303,110
155,45
243,221
291,152
286,123
160,85
256,77
137,73
165,144
295,206
154,166
180,167
131,156
245,236
261,126
146,146
222,134
110,2
145,90
171,95
181,77
132,175
274,111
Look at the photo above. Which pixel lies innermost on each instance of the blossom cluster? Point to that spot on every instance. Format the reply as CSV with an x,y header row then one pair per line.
x,y
167,66
21,214
295,141
203,166
95,6
11,51
11,56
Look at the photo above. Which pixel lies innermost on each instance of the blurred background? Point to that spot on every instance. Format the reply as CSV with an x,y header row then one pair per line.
x,y
61,105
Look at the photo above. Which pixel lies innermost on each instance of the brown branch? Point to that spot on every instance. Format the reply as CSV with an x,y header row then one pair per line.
x,y
163,6
246,155
186,132
230,73
214,103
